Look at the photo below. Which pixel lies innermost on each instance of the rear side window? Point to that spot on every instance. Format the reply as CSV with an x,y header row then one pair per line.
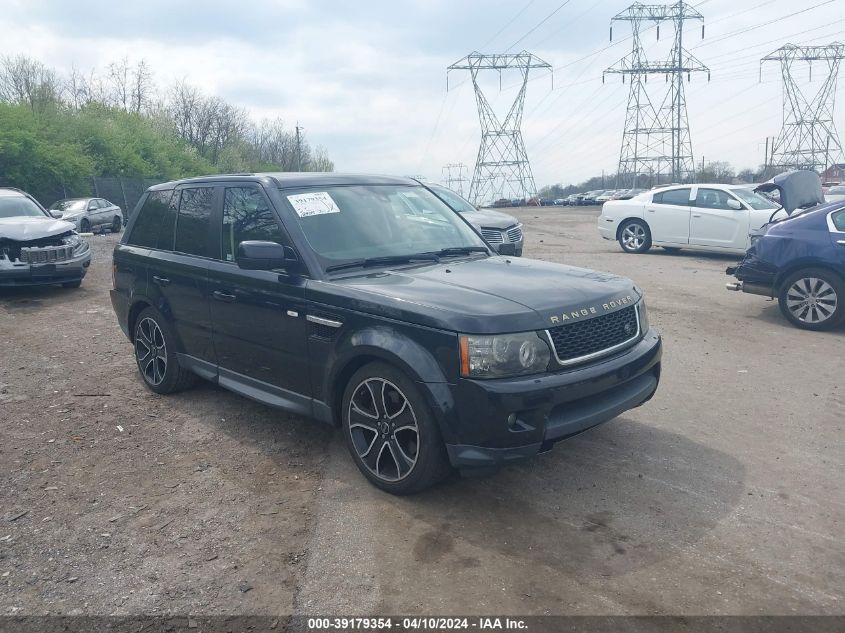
x,y
146,228
247,216
679,197
193,221
839,221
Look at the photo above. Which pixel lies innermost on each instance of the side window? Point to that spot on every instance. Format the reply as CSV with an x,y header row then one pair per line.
x,y
839,221
678,197
712,199
247,216
146,228
92,205
193,220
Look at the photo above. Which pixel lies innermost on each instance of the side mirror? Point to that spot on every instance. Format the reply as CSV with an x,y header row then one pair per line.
x,y
55,213
256,255
734,204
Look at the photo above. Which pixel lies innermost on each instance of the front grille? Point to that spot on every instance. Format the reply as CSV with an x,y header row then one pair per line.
x,y
46,254
577,340
494,236
515,234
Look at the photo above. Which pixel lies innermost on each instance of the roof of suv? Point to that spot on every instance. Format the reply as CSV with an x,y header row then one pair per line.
x,y
293,180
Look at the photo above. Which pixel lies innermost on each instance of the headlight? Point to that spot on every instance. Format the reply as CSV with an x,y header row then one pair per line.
x,y
503,355
644,324
77,242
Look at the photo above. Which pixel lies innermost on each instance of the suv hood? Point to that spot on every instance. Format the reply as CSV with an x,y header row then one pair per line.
x,y
25,229
484,296
490,219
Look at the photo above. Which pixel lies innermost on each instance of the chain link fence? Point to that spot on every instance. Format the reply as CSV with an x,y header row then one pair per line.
x,y
122,191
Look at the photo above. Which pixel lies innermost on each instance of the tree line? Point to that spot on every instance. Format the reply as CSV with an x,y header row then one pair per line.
x,y
712,172
57,131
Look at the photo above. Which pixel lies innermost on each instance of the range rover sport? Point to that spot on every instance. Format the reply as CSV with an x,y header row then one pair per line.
x,y
321,295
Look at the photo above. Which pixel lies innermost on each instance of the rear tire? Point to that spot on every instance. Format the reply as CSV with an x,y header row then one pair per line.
x,y
155,355
635,236
813,299
391,432
116,224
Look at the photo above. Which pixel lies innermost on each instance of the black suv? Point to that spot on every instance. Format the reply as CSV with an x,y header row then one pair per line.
x,y
321,294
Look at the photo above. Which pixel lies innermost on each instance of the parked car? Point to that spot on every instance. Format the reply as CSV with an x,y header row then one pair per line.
x,y
572,200
801,262
605,196
590,197
89,214
717,218
319,295
835,194
35,248
502,231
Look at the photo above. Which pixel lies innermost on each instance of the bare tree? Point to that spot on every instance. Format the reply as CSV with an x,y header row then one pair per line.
x,y
119,83
143,89
28,81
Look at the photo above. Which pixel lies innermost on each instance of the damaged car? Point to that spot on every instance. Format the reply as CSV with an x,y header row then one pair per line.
x,y
35,248
800,259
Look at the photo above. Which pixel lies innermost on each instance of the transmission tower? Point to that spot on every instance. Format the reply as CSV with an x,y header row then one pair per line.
x,y
656,140
502,169
454,177
808,139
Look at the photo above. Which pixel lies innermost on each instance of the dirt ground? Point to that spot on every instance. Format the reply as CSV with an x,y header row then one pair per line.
x,y
723,495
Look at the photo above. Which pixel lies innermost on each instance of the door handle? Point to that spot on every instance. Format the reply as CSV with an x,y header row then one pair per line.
x,y
841,242
696,215
651,210
223,296
161,281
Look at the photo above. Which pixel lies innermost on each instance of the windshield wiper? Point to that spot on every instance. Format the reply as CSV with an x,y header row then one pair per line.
x,y
385,260
461,250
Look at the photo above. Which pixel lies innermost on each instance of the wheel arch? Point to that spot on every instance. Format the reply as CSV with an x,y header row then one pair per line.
x,y
799,265
627,219
382,344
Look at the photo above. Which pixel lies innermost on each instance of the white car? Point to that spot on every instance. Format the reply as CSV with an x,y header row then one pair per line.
x,y
716,218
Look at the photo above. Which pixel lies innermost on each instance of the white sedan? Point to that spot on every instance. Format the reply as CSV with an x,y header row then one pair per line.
x,y
716,218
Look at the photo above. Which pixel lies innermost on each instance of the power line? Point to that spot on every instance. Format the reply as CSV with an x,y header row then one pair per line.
x,y
511,21
541,23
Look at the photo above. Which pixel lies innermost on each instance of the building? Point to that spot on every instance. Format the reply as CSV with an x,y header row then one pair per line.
x,y
834,173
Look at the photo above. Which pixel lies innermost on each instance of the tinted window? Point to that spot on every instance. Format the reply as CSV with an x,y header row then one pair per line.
x,y
712,199
146,228
193,221
675,196
247,216
839,220
167,230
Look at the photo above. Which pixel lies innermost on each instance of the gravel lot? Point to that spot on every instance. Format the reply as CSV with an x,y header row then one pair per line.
x,y
723,495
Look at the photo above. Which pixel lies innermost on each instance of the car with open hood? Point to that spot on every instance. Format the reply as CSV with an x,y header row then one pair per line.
x,y
36,248
799,258
321,295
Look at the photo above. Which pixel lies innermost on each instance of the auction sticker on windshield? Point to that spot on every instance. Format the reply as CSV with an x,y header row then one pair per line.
x,y
316,203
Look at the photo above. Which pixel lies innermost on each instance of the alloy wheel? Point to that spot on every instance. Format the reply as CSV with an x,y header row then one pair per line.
x,y
383,429
151,351
811,300
633,236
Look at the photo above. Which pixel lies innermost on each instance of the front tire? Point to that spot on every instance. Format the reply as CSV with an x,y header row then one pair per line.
x,y
391,432
813,299
635,236
155,355
84,226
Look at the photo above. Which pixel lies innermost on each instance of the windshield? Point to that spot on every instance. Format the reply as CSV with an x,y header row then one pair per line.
x,y
69,205
349,223
19,206
453,200
754,200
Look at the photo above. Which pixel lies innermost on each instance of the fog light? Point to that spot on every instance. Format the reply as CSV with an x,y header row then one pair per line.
x,y
512,419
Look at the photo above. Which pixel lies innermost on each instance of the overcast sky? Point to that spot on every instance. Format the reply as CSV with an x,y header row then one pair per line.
x,y
367,79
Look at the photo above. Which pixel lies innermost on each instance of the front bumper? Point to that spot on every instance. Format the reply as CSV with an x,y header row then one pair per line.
x,y
22,274
607,227
510,419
